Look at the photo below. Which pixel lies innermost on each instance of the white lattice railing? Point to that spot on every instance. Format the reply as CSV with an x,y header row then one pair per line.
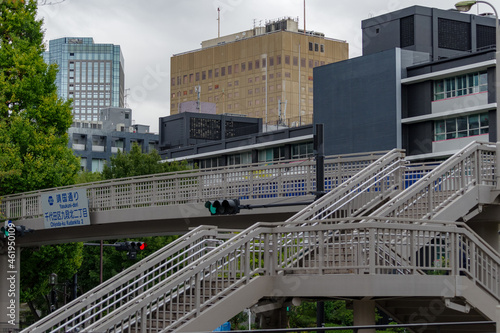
x,y
139,278
254,181
380,180
473,165
357,248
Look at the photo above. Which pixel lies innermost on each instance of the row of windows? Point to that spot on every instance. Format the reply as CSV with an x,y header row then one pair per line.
x,y
90,102
102,87
460,127
237,68
316,47
300,150
460,85
95,94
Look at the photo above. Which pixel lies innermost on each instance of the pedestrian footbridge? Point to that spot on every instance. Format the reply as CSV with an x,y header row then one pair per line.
x,y
173,203
422,251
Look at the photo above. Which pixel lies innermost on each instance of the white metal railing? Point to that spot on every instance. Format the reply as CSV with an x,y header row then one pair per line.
x,y
380,180
473,165
139,278
263,248
254,181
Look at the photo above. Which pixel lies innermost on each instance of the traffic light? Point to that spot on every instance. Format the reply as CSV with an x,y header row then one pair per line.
x,y
215,207
131,247
231,206
16,230
223,207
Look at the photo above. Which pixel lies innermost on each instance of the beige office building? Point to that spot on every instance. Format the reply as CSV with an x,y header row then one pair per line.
x,y
256,73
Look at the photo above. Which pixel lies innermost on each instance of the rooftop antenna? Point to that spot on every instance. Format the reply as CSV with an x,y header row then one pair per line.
x,y
218,22
304,17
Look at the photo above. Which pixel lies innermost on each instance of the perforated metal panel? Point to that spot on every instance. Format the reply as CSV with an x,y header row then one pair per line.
x,y
407,31
454,35
485,36
202,128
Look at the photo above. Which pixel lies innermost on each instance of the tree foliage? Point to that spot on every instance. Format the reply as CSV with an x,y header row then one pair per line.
x,y
137,163
34,151
113,261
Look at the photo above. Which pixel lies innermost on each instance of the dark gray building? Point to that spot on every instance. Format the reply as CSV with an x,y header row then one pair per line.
x,y
95,142
190,128
220,140
422,84
440,33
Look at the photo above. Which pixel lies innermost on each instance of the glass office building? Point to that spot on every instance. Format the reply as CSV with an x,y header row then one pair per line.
x,y
90,74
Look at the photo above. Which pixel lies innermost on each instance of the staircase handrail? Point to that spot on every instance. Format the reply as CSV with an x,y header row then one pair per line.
x,y
363,181
265,234
198,270
407,198
154,266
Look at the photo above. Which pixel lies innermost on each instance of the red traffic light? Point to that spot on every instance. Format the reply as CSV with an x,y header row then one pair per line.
x,y
142,246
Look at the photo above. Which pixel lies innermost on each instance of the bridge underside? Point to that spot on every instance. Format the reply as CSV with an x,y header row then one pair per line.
x,y
155,221
411,299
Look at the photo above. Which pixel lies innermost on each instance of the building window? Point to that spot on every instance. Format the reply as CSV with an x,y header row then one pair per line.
x,y
209,73
223,71
287,60
229,70
322,48
203,75
271,61
243,66
316,47
278,60
257,64
216,72
460,85
302,150
310,46
461,127
249,65
197,76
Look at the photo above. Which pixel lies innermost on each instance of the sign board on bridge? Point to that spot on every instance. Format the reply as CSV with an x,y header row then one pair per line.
x,y
68,208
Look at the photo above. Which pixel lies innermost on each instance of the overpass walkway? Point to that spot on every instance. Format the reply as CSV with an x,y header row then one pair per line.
x,y
372,240
173,203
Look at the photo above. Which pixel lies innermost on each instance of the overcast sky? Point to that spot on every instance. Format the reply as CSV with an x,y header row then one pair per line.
x,y
150,32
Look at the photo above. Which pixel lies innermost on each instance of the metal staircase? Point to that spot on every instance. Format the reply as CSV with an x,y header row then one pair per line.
x,y
366,228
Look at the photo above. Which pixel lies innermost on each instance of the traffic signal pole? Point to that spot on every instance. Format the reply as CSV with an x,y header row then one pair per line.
x,y
320,191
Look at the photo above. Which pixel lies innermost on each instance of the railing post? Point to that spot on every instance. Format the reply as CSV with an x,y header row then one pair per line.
x,y
267,256
372,256
197,293
23,207
247,262
498,319
144,318
321,252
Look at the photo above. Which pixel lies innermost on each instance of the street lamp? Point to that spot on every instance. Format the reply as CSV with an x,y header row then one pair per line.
x,y
465,6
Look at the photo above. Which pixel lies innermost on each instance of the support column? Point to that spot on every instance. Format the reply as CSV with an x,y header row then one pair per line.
x,y
364,314
10,257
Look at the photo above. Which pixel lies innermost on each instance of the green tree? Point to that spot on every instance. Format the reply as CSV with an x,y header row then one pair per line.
x,y
38,264
137,163
34,151
113,261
